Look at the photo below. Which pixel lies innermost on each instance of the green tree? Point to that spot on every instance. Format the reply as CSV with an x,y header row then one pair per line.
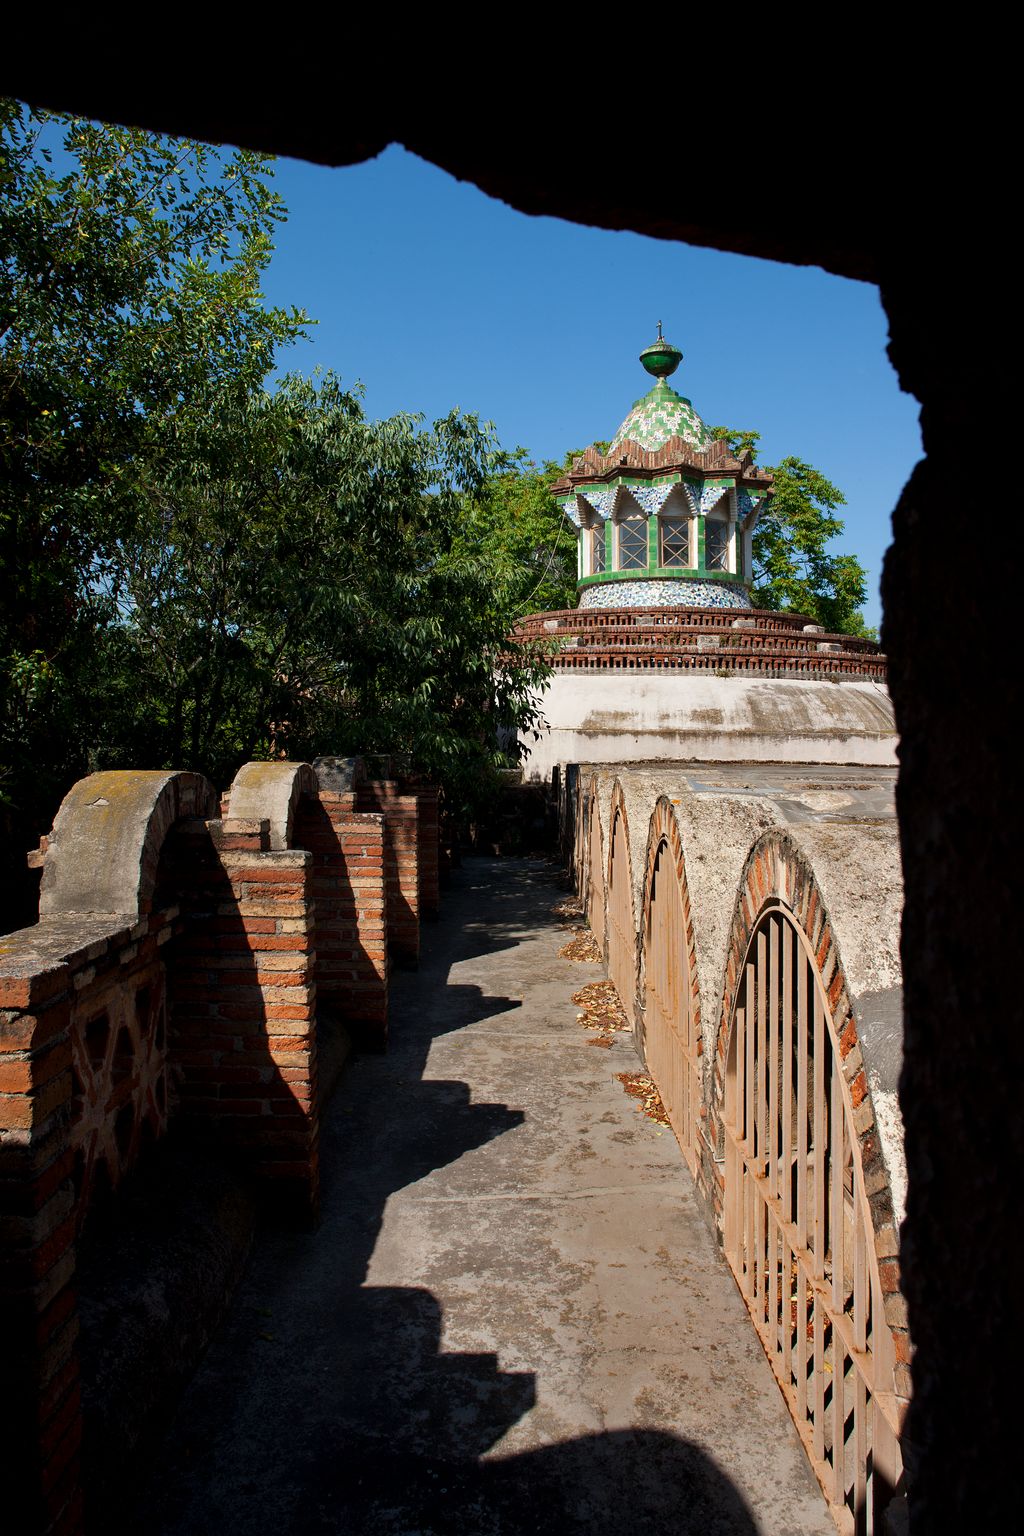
x,y
129,298
302,582
517,519
793,566
129,295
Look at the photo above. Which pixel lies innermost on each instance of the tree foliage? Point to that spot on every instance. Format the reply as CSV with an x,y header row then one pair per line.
x,y
516,517
793,566
302,582
129,298
198,567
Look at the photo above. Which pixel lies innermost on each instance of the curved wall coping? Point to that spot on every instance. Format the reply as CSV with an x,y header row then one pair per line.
x,y
103,851
855,866
271,792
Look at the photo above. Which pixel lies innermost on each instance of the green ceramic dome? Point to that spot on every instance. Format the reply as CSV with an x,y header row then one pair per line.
x,y
661,414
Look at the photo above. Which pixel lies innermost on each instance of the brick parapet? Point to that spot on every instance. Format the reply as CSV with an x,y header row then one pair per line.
x,y
429,851
401,809
347,848
243,1003
63,1114
203,1005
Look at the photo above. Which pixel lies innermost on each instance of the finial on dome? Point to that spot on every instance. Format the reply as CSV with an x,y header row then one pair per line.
x,y
661,358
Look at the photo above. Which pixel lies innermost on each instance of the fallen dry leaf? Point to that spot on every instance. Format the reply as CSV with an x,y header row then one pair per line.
x,y
600,1010
641,1087
581,947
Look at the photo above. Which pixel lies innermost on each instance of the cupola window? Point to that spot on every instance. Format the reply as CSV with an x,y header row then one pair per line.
x,y
632,542
595,539
716,544
675,542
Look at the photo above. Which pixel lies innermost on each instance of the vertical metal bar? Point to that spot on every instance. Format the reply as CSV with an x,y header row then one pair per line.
x,y
748,1069
863,1515
838,1419
771,1150
801,1098
788,939
820,1155
837,1216
762,1050
786,1308
860,1265
801,1346
818,1381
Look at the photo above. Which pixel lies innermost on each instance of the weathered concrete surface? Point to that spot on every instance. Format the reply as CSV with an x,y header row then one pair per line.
x,y
513,1317
843,821
633,716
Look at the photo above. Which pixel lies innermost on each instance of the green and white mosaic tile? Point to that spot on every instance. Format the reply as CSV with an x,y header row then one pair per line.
x,y
659,415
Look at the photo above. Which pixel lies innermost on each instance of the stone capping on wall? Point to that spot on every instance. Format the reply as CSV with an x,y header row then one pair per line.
x,y
777,871
271,791
103,851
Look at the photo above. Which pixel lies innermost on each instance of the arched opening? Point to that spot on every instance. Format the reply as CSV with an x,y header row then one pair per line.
x,y
670,1028
594,887
798,1232
621,927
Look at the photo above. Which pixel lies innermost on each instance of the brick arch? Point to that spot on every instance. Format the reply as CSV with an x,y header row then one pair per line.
x,y
670,1021
593,892
581,804
805,1204
621,924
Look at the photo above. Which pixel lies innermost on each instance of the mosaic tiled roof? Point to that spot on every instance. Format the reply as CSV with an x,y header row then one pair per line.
x,y
660,415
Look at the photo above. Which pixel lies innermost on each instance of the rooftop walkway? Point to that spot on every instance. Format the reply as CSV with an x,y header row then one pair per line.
x,y
512,1317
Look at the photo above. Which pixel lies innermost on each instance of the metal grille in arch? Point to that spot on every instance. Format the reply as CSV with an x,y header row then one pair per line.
x,y
621,928
797,1224
670,1044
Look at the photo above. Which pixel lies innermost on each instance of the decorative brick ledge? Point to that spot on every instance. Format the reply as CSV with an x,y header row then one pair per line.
x,y
721,641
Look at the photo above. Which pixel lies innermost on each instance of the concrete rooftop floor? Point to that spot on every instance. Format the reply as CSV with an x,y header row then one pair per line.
x,y
513,1316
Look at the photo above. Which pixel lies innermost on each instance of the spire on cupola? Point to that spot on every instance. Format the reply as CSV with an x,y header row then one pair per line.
x,y
661,358
661,414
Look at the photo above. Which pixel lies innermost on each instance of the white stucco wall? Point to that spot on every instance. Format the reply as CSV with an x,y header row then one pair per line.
x,y
624,717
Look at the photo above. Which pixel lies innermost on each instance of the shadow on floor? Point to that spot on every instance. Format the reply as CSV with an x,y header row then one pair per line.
x,y
328,1404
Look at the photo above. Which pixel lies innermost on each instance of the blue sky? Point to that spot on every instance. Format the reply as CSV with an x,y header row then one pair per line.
x,y
434,295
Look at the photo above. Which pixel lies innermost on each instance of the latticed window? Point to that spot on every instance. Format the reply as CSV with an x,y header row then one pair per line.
x,y
798,1224
633,544
675,541
597,550
716,545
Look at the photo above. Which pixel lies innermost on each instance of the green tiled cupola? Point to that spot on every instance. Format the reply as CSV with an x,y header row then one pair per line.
x,y
665,517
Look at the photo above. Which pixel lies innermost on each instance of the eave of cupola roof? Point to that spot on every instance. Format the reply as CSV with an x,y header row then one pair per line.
x,y
672,459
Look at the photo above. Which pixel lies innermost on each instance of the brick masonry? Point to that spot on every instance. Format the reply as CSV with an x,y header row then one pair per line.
x,y
201,1004
242,1001
347,886
82,1094
401,809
